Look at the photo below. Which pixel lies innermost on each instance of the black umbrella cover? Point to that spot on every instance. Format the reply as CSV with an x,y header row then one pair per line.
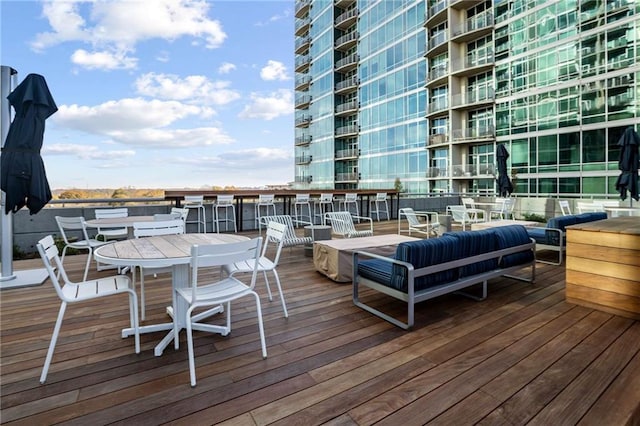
x,y
628,164
505,187
23,176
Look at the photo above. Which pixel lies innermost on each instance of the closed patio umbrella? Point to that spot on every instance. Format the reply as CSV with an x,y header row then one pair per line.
x,y
23,175
628,164
505,187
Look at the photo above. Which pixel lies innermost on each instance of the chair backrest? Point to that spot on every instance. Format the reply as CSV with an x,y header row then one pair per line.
x,y
564,207
193,200
51,259
350,197
458,214
302,198
275,234
266,198
166,216
410,214
284,219
183,212
381,196
215,255
341,222
468,202
75,223
224,199
165,227
326,198
111,213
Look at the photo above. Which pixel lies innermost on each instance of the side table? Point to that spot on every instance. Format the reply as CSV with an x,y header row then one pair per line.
x,y
320,233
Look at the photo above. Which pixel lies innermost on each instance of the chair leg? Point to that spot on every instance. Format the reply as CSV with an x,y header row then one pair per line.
x,y
192,363
86,268
260,326
133,318
143,311
52,345
266,282
284,305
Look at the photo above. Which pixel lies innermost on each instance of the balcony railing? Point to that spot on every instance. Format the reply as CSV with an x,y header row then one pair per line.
x,y
303,140
346,40
303,120
351,105
434,172
347,153
484,20
302,7
346,177
302,44
302,63
302,82
473,97
438,105
438,138
347,62
302,101
347,19
349,83
305,159
437,72
437,40
302,26
351,129
436,8
478,170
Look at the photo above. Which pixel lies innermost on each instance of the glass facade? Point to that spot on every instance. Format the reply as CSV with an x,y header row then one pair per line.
x,y
424,91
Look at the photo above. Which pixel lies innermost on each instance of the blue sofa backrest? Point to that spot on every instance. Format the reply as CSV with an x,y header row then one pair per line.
x,y
472,243
511,236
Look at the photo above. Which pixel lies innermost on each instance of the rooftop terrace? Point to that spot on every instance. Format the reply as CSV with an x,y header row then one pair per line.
x,y
522,356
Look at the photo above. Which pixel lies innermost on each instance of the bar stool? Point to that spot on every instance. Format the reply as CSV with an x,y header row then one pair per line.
x,y
302,201
196,202
350,198
224,202
322,205
376,204
265,202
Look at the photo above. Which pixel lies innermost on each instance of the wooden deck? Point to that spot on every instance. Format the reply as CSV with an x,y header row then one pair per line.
x,y
522,356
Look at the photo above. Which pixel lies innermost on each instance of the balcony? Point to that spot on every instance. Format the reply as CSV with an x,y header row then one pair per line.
x,y
343,4
437,106
437,74
480,133
302,82
437,172
302,26
349,130
347,85
347,154
347,19
302,101
346,41
346,177
302,8
303,121
303,140
436,9
305,159
473,64
438,138
346,108
302,44
437,44
348,63
473,98
473,28
303,179
485,171
302,63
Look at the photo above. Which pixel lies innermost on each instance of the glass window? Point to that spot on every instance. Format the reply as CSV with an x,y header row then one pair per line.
x,y
593,146
547,150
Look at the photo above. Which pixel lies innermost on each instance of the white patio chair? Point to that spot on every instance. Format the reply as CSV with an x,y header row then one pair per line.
x,y
166,216
223,291
149,229
224,203
274,237
343,226
291,238
74,292
460,215
376,206
183,212
302,201
196,202
504,210
265,204
77,224
425,223
564,207
322,205
470,204
350,198
108,232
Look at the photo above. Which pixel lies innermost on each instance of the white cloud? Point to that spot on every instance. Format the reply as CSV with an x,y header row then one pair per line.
x,y
85,152
195,88
103,60
274,70
138,122
269,107
163,56
118,25
275,18
226,68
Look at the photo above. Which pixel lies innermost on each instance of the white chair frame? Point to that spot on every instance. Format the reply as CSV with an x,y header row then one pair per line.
x,y
75,292
564,207
459,214
78,224
422,222
321,206
290,237
302,201
225,203
375,206
196,202
266,203
350,198
342,225
109,232
219,292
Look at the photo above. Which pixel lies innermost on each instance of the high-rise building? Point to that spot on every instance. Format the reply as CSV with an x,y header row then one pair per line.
x,y
425,91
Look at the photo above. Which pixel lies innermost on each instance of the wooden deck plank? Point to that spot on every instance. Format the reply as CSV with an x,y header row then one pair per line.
x,y
522,355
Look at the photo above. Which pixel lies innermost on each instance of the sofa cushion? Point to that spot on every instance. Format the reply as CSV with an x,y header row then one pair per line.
x,y
376,270
540,235
590,217
560,222
511,236
472,243
421,254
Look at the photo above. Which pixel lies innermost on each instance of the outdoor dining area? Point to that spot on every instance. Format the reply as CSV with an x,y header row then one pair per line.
x,y
309,355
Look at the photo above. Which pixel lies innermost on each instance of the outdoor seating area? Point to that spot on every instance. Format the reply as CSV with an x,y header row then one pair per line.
x,y
536,355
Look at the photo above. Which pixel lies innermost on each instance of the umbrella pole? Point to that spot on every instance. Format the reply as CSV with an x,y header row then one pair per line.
x,y
9,279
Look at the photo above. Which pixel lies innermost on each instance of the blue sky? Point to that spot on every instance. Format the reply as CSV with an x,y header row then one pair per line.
x,y
159,93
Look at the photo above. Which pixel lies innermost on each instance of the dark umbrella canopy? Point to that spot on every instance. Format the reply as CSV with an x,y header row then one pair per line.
x,y
628,164
505,187
23,176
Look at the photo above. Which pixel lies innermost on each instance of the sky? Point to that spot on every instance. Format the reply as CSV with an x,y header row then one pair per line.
x,y
159,93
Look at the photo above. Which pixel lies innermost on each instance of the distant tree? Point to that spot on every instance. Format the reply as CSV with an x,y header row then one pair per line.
x,y
119,193
72,194
397,185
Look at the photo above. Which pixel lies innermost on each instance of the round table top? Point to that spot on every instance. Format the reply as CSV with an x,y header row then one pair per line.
x,y
159,251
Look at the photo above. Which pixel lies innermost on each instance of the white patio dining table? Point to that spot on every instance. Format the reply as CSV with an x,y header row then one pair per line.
x,y
164,251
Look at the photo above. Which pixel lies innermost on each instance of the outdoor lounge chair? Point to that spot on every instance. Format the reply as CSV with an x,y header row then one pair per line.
x,y
290,237
343,226
459,214
425,223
